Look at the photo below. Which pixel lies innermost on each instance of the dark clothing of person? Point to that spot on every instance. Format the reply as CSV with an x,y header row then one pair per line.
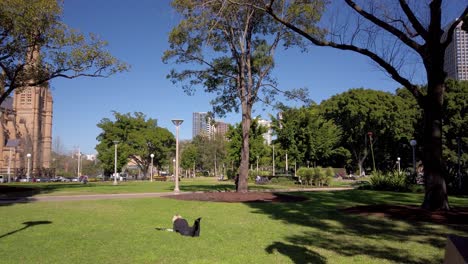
x,y
181,226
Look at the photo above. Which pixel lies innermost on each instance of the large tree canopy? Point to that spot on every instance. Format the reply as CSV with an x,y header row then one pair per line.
x,y
394,35
229,51
389,118
308,137
137,138
35,47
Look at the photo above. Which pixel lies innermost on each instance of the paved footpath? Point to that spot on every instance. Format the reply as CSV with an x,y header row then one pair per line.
x,y
44,198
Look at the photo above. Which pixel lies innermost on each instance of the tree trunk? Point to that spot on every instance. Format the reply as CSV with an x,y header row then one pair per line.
x,y
434,176
244,163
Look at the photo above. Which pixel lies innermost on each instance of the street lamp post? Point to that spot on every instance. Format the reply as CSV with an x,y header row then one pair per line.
x,y
177,123
273,159
413,144
257,165
151,173
398,162
116,142
79,164
372,149
287,164
9,166
29,165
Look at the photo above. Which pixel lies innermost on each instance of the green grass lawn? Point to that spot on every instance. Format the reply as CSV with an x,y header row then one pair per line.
x,y
315,231
196,184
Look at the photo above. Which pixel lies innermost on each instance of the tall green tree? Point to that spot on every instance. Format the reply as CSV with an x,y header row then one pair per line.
x,y
257,145
308,137
137,138
388,117
394,36
36,46
188,159
455,128
229,49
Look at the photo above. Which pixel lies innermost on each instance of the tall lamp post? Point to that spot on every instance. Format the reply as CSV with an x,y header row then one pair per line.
x,y
398,162
273,159
257,165
413,144
9,165
151,173
371,148
116,142
79,163
177,123
29,165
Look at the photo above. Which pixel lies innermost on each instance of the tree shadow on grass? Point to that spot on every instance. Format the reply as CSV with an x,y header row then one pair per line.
x,y
11,194
26,225
224,187
297,254
352,235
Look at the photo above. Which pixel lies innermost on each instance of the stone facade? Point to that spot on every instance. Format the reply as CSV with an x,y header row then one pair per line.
x,y
26,127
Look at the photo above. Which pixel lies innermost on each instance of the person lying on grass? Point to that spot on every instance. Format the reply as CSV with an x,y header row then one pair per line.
x,y
181,226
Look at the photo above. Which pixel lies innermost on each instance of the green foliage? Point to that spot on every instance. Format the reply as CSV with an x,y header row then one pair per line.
x,y
210,151
306,136
455,130
359,111
36,45
317,176
188,157
257,146
390,181
137,138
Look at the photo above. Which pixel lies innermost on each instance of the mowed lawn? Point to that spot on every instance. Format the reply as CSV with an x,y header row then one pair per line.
x,y
185,185
315,231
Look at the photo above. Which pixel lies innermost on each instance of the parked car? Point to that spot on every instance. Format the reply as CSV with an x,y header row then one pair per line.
x,y
2,179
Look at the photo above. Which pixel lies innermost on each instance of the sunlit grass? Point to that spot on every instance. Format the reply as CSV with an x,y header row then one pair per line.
x,y
190,184
315,231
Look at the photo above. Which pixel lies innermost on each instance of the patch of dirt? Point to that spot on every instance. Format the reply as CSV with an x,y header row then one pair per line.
x,y
457,215
234,197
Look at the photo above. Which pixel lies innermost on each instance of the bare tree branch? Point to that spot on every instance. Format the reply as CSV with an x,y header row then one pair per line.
x,y
381,62
413,20
389,28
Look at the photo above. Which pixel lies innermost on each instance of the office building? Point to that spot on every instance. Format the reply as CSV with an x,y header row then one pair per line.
x,y
456,55
201,124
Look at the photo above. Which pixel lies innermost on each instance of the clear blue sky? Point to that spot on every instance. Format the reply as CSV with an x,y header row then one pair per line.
x,y
137,33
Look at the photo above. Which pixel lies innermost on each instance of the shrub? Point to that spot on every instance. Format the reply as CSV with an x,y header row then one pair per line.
x,y
390,181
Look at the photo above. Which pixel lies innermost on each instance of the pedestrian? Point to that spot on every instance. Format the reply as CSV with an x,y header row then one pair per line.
x,y
181,226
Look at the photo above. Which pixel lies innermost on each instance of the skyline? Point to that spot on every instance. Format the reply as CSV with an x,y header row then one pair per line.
x,y
137,34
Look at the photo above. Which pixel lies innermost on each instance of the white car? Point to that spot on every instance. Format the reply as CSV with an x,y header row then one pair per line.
x,y
2,179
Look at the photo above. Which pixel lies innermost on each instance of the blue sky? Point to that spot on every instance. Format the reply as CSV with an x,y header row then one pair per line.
x,y
137,34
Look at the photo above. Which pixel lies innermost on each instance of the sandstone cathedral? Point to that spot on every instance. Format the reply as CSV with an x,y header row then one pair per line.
x,y
26,133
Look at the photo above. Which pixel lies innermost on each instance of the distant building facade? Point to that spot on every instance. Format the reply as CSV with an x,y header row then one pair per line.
x,y
203,125
200,124
222,128
267,136
26,128
456,55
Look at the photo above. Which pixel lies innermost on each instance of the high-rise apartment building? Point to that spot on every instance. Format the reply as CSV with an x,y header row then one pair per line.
x,y
267,136
200,124
456,55
221,128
